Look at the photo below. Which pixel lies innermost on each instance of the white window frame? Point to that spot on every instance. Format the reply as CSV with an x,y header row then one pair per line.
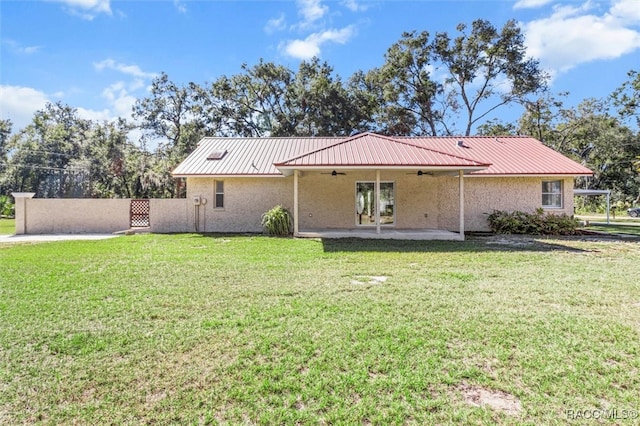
x,y
216,193
558,193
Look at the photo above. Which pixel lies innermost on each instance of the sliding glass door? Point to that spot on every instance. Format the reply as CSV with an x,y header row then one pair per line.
x,y
366,200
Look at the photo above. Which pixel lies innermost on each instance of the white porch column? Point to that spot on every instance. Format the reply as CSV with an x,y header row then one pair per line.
x,y
21,210
461,208
377,191
296,228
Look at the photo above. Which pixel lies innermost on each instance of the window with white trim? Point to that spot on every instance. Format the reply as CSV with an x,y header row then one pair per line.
x,y
552,194
219,190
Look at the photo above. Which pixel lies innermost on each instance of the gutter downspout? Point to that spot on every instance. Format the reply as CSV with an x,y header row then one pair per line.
x,y
296,227
377,210
461,190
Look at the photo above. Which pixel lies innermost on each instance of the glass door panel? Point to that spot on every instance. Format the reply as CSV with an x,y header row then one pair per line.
x,y
365,203
387,206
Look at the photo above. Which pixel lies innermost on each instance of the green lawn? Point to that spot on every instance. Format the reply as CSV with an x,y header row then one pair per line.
x,y
616,228
7,226
191,329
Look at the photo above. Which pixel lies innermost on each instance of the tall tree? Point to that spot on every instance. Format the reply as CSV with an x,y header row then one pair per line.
x,y
167,114
321,103
174,123
252,103
627,97
404,89
271,100
486,69
542,117
589,134
41,153
5,132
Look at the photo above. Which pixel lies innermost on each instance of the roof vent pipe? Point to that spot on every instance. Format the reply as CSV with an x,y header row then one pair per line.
x,y
462,145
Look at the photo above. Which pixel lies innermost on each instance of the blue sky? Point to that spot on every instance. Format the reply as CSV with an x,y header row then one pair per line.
x,y
100,55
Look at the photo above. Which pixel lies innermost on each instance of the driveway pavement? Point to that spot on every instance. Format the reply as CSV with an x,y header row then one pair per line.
x,y
52,237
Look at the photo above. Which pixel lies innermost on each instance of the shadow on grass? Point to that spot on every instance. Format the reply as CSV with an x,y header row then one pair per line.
x,y
510,243
473,243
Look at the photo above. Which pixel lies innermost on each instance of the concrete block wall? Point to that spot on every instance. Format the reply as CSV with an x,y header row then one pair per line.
x,y
89,215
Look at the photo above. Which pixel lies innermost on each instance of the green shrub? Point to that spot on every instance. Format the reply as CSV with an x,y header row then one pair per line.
x,y
7,208
277,222
538,223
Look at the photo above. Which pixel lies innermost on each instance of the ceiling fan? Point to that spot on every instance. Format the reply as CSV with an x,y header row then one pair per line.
x,y
333,173
421,173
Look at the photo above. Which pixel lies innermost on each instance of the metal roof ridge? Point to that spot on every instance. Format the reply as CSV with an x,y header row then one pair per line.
x,y
388,138
460,157
339,142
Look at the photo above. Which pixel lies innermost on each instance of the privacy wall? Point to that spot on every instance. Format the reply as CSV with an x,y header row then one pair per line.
x,y
85,215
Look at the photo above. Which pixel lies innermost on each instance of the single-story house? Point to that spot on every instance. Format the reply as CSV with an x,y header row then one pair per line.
x,y
374,186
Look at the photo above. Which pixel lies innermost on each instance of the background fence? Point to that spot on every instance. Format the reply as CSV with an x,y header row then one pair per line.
x,y
86,215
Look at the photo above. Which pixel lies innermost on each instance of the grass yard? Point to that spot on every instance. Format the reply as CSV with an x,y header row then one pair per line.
x,y
192,329
7,226
616,228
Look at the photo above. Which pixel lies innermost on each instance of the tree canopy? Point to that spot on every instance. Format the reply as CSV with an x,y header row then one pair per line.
x,y
440,84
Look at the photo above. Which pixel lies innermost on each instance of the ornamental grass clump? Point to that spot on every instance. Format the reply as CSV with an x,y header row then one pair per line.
x,y
277,222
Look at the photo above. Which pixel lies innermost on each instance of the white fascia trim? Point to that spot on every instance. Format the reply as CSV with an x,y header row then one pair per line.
x,y
289,170
526,175
230,176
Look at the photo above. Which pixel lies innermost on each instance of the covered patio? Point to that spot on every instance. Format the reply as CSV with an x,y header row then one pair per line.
x,y
374,155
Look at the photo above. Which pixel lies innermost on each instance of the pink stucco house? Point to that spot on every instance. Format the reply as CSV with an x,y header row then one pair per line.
x,y
374,186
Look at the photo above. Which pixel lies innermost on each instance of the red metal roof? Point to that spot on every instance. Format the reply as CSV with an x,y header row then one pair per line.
x,y
512,155
508,155
247,156
371,150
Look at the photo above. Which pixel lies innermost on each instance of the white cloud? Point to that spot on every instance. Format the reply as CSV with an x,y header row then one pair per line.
x,y
275,24
18,104
626,10
354,6
573,35
86,9
311,11
18,48
132,70
119,98
89,114
119,94
180,5
530,4
310,46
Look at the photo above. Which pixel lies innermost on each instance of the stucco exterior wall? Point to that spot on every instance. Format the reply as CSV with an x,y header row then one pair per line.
x,y
90,215
328,202
483,195
245,200
168,215
325,202
75,216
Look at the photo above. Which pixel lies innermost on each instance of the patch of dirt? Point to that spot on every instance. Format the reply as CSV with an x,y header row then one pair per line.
x,y
511,240
479,396
156,397
366,279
